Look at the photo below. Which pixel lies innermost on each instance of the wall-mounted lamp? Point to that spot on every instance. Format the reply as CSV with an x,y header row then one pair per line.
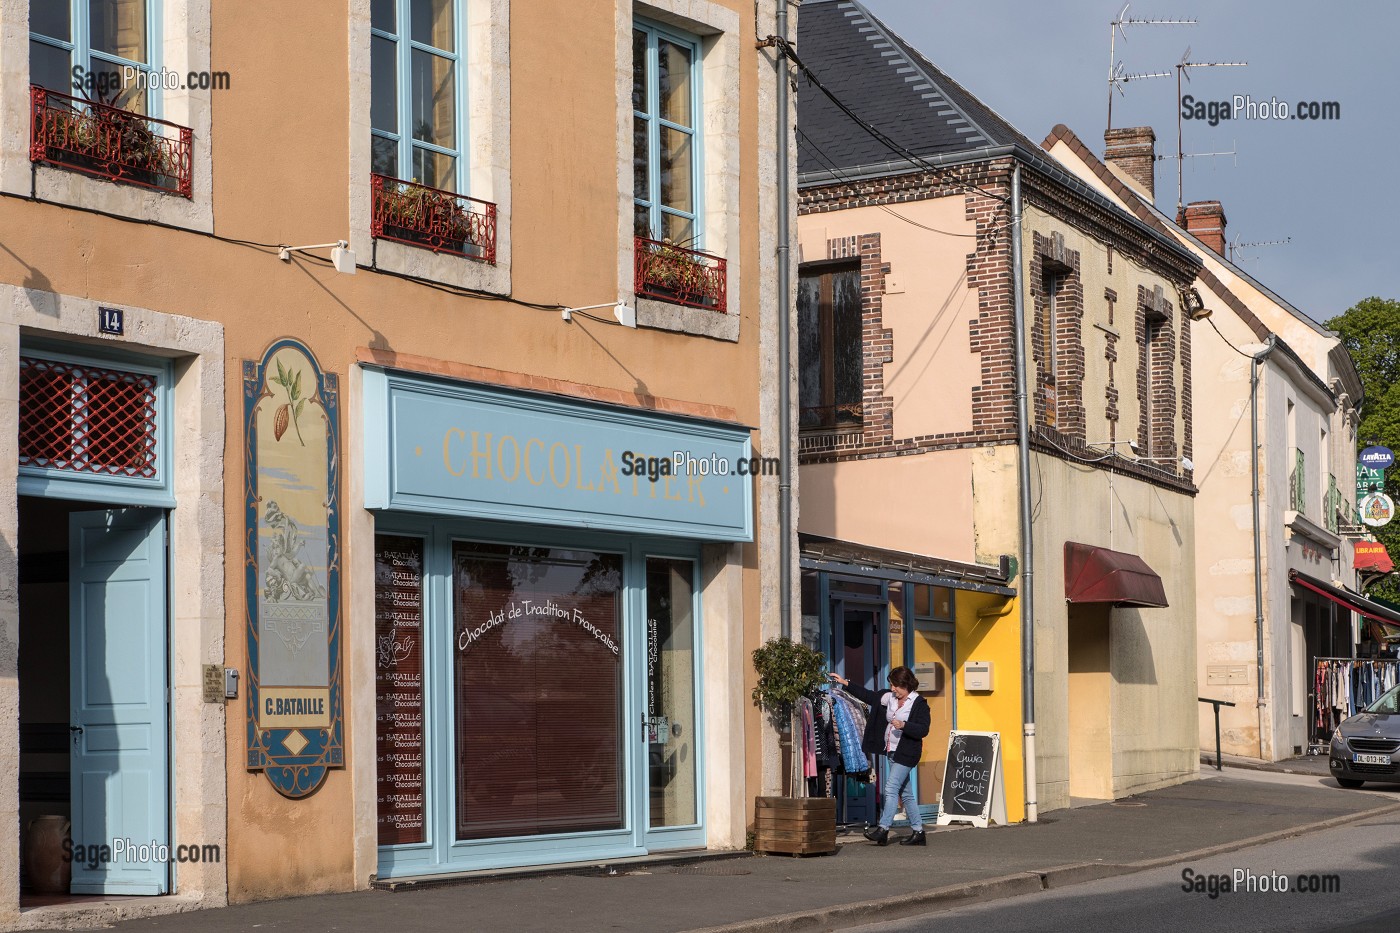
x,y
342,257
1195,307
626,314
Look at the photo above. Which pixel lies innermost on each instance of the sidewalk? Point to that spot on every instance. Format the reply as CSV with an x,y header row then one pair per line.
x,y
1220,812
1303,764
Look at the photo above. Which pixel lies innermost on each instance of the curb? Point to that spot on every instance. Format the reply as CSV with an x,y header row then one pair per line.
x,y
1030,882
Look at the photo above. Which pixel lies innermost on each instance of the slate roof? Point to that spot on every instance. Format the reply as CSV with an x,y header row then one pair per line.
x,y
891,86
884,79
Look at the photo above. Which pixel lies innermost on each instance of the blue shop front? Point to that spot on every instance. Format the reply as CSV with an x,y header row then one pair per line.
x,y
542,570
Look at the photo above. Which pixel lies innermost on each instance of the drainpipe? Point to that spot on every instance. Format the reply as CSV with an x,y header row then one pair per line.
x,y
1023,450
784,343
1255,361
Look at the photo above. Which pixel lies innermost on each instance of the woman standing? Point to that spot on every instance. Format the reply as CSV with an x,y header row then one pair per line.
x,y
898,722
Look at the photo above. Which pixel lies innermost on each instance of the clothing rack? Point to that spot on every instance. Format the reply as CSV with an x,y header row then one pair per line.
x,y
1340,688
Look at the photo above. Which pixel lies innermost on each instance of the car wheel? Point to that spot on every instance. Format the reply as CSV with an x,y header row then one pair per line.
x,y
1349,784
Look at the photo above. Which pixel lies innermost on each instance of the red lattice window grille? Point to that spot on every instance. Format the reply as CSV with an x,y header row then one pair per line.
x,y
86,419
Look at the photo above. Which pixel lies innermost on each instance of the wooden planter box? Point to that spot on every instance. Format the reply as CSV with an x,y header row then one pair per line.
x,y
801,826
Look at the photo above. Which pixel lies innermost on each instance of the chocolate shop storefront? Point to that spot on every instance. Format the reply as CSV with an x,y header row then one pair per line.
x,y
552,623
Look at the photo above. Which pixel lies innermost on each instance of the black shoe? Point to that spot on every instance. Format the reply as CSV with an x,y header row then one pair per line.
x,y
914,839
878,835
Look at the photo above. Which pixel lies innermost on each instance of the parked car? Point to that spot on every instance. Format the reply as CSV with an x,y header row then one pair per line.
x,y
1364,747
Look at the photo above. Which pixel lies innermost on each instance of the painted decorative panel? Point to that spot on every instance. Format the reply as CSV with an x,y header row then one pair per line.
x,y
292,561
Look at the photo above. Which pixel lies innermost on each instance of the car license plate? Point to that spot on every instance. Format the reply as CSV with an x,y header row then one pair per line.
x,y
1370,759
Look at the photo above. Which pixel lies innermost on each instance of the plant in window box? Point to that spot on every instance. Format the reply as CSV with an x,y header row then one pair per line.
x,y
113,140
797,825
401,206
675,271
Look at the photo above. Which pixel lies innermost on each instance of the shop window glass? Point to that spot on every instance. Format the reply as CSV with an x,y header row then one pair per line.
x,y
538,690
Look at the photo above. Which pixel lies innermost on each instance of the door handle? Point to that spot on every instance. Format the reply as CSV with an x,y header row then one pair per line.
x,y
77,731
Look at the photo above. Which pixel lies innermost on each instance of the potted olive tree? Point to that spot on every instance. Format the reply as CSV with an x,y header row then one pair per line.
x,y
797,825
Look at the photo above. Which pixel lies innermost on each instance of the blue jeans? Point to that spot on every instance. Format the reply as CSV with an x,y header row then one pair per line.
x,y
898,787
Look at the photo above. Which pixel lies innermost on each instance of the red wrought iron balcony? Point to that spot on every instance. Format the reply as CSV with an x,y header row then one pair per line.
x,y
109,142
681,276
442,221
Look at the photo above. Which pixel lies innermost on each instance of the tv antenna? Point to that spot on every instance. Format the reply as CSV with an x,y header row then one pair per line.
x,y
1116,77
1231,152
1183,71
1235,246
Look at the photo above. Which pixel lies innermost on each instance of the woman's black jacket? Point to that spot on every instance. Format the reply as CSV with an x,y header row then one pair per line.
x,y
911,742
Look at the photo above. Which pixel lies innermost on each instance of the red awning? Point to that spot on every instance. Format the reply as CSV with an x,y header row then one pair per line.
x,y
1099,575
1372,555
1345,598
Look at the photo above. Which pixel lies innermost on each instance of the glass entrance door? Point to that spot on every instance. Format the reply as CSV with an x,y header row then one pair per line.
x,y
857,632
671,721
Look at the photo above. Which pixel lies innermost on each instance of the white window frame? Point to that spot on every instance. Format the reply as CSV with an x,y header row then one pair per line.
x,y
80,50
722,46
179,42
655,122
484,168
404,47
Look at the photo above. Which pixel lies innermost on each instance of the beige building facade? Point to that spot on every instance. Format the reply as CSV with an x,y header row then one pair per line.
x,y
1304,397
289,531
909,416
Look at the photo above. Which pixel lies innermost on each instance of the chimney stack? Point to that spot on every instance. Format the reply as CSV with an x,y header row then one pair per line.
x,y
1131,154
1205,220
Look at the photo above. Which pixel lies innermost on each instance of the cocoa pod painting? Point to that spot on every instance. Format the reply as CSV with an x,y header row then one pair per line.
x,y
280,421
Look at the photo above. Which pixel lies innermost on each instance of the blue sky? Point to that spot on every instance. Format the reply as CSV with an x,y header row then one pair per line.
x,y
1328,187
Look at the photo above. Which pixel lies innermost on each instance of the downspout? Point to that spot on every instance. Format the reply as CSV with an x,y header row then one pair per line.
x,y
784,341
1256,360
1023,445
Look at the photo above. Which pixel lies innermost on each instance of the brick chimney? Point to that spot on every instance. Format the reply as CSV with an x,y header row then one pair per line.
x,y
1131,154
1205,220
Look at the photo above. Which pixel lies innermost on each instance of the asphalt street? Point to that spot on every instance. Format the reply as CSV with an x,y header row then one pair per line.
x,y
1364,857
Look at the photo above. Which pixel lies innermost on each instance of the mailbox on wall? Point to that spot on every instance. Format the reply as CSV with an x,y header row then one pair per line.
x,y
977,676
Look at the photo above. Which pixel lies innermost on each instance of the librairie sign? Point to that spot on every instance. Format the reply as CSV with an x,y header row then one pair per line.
x,y
478,451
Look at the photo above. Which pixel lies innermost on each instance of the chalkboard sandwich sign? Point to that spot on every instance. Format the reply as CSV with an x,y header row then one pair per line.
x,y
973,791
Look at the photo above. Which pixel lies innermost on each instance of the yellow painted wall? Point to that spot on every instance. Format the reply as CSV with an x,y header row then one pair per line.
x,y
989,629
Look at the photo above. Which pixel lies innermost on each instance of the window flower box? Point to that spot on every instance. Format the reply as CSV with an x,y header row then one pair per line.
x,y
671,273
442,221
109,142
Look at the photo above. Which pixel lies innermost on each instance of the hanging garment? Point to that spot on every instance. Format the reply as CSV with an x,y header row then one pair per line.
x,y
825,729
852,758
809,738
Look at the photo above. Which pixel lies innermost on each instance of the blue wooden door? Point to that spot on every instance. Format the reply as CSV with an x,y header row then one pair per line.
x,y
118,699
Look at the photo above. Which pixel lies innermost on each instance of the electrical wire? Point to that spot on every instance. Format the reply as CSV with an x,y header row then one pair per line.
x,y
1211,322
458,290
789,52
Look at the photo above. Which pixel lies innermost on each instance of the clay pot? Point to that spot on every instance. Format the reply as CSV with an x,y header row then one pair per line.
x,y
50,872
